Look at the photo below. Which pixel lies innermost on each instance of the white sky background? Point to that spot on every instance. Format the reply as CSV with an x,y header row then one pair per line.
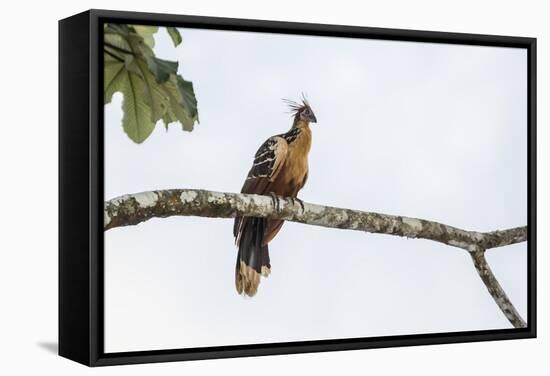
x,y
424,130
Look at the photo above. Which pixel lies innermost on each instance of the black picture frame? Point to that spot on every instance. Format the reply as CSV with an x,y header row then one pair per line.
x,y
81,193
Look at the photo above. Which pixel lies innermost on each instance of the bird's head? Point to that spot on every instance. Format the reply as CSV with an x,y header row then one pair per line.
x,y
302,112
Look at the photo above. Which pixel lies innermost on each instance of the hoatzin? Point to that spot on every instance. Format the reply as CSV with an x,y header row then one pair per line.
x,y
280,168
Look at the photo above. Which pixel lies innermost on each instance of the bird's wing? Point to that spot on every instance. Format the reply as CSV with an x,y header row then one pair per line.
x,y
268,161
267,164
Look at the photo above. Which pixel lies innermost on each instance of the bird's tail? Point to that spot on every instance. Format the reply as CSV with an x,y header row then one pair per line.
x,y
253,256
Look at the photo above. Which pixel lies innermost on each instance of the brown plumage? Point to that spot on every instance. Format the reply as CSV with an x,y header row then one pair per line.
x,y
280,167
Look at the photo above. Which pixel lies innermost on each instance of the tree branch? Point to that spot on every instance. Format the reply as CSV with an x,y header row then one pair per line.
x,y
496,291
136,208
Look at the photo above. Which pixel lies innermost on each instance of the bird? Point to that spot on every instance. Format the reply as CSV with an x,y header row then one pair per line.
x,y
280,168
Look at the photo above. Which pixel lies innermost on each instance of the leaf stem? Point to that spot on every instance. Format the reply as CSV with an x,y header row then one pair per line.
x,y
116,48
116,57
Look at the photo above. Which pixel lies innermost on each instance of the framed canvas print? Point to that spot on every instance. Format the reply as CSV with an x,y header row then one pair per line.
x,y
236,187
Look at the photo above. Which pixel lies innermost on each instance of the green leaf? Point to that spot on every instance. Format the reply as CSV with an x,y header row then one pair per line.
x,y
179,110
175,35
176,111
189,101
147,33
113,77
129,63
154,96
116,44
151,88
137,113
162,69
138,103
118,28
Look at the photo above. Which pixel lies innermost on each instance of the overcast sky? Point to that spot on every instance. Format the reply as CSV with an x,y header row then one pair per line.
x,y
425,130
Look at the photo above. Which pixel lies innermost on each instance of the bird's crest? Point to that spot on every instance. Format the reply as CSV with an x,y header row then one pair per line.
x,y
296,107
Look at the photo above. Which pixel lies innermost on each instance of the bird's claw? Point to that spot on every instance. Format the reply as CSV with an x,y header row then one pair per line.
x,y
275,200
300,202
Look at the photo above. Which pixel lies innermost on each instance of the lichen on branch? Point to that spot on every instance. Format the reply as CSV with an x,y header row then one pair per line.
x,y
135,208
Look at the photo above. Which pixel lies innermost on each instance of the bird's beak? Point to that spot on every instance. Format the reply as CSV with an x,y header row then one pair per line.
x,y
312,118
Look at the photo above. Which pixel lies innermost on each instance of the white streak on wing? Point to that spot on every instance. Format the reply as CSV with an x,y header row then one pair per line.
x,y
264,161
